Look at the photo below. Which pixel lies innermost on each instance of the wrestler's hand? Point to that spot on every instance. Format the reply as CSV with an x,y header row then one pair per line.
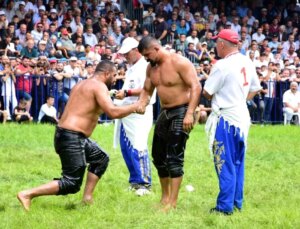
x,y
120,94
188,122
141,108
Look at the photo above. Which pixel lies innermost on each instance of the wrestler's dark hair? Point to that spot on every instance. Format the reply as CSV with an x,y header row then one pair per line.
x,y
146,43
105,66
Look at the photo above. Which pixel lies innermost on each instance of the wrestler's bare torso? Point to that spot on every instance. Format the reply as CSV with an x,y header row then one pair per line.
x,y
168,79
82,110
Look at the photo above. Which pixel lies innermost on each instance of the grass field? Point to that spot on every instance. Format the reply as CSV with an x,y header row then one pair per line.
x,y
272,187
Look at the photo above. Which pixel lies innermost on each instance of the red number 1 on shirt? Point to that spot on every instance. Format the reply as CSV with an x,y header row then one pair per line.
x,y
243,71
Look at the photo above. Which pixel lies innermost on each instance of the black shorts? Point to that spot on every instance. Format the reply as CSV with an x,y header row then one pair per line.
x,y
75,151
169,142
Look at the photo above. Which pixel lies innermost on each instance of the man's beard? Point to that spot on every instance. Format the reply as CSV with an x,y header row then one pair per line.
x,y
153,63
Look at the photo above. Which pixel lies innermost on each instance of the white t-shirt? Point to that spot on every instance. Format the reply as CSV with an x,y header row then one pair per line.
x,y
134,78
230,81
291,98
46,110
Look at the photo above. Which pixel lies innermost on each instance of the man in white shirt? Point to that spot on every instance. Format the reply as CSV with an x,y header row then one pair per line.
x,y
48,112
193,38
132,131
291,102
258,36
228,124
90,38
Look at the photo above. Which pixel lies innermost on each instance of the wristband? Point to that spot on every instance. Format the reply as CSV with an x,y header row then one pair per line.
x,y
129,92
125,93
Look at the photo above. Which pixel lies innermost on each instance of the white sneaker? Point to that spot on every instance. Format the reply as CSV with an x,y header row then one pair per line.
x,y
142,191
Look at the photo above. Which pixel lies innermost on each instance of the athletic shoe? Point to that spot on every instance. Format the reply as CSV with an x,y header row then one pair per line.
x,y
133,187
142,191
215,210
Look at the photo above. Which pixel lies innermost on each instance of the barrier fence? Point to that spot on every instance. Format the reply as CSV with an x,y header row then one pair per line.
x,y
267,109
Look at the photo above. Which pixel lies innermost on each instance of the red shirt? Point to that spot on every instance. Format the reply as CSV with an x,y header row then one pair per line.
x,y
24,82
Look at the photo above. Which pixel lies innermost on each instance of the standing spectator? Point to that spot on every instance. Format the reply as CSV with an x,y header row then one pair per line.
x,y
3,114
271,78
161,29
48,112
8,86
229,121
23,74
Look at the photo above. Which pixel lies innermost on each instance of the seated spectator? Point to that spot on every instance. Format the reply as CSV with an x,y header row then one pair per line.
x,y
89,37
291,102
65,44
42,49
29,51
20,114
3,114
48,112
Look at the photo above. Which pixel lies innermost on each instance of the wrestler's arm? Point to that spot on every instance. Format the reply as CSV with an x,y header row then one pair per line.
x,y
146,93
104,101
189,76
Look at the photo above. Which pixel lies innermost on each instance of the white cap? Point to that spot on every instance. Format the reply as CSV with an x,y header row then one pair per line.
x,y
73,58
42,42
42,8
128,44
2,12
204,43
22,3
53,11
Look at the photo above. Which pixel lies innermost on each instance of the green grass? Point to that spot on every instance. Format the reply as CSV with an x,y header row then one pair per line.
x,y
272,200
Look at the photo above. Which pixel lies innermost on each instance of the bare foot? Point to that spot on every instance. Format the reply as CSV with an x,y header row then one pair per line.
x,y
87,200
164,201
24,199
167,208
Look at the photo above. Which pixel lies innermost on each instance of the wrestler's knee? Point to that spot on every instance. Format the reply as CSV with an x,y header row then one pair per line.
x,y
159,157
70,184
175,156
99,167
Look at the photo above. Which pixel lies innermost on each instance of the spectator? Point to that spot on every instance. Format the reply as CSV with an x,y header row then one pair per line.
x,y
48,112
20,113
65,44
37,33
8,86
291,102
21,33
161,29
193,38
89,37
29,51
3,114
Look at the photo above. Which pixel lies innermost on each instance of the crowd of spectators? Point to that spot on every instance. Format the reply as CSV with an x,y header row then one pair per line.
x,y
46,47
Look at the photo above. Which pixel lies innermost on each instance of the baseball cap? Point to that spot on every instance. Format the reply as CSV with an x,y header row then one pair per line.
x,y
206,62
197,14
22,3
42,8
128,44
228,35
204,43
2,12
64,32
52,60
73,58
228,23
53,11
